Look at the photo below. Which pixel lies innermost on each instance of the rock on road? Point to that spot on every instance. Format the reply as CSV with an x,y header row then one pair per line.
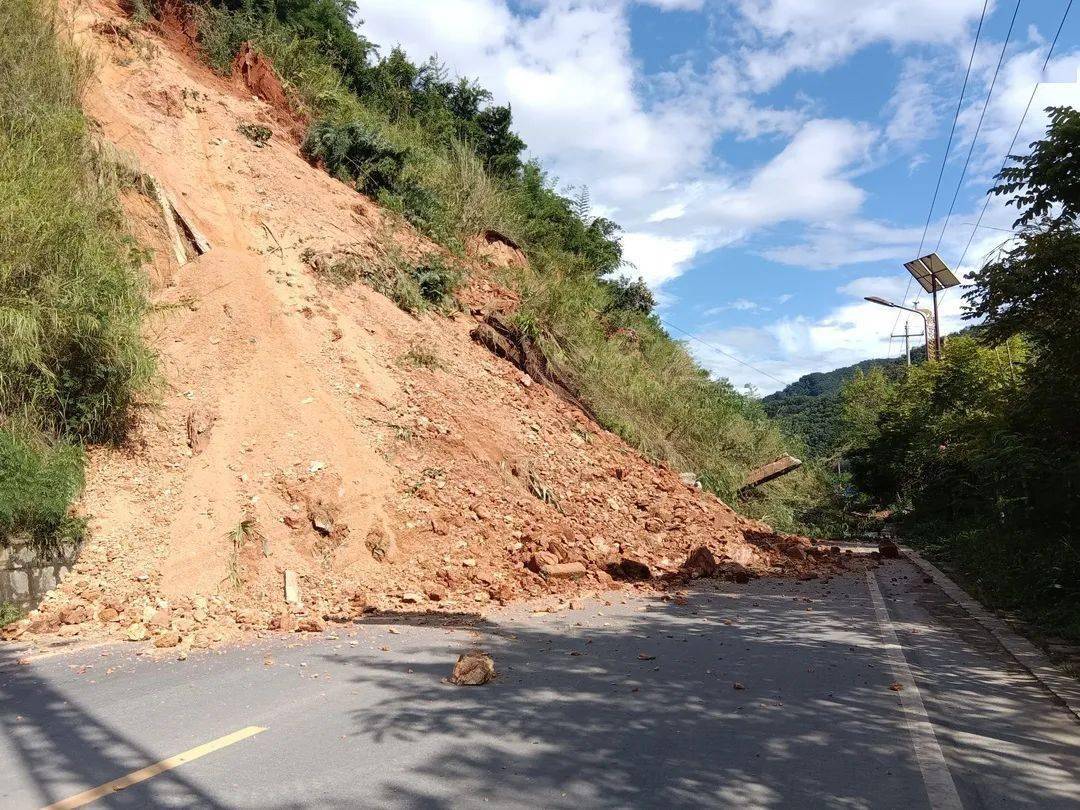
x,y
772,694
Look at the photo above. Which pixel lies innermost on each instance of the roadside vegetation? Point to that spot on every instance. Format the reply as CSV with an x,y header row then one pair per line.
x,y
978,456
72,360
438,151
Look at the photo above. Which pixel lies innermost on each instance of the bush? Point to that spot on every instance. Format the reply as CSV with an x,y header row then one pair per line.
x,y
356,153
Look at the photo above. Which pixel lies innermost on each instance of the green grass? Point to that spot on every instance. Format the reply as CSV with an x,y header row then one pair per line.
x,y
72,358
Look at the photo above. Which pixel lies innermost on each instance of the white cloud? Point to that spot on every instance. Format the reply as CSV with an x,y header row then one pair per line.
x,y
807,181
673,211
913,107
673,5
818,34
657,258
739,305
576,93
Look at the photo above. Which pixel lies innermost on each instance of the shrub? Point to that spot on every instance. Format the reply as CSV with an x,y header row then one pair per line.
x,y
356,153
38,483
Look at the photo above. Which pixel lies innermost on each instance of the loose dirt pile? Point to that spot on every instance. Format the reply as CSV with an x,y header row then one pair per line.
x,y
321,436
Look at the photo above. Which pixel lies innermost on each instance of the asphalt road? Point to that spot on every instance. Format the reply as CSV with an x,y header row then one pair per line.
x,y
628,704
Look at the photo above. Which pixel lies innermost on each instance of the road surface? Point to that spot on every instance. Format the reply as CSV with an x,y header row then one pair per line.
x,y
772,694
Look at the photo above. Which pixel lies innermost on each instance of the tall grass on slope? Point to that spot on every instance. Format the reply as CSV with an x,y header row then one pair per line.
x,y
72,359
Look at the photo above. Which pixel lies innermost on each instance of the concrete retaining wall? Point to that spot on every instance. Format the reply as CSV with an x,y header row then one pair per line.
x,y
25,574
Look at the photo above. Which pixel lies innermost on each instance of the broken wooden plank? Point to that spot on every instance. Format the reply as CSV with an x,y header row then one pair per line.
x,y
169,214
770,471
202,245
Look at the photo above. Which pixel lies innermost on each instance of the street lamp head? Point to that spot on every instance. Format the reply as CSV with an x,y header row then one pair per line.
x,y
874,299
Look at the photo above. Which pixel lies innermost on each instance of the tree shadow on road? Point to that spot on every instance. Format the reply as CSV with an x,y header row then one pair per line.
x,y
63,748
659,709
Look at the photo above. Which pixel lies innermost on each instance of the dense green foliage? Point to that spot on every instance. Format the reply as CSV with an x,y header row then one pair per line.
x,y
811,405
444,156
71,300
979,454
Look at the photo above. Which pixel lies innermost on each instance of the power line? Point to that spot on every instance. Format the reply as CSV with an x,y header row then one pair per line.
x,y
978,127
952,129
1012,143
944,158
729,355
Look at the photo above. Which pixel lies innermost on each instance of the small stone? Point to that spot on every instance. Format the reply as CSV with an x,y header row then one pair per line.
x,y
74,615
285,622
410,598
570,570
435,592
170,638
473,669
137,632
312,624
700,563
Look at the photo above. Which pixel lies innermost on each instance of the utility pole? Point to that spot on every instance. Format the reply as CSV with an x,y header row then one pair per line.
x,y
907,341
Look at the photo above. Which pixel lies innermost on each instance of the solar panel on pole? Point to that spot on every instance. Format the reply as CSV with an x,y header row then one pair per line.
x,y
933,275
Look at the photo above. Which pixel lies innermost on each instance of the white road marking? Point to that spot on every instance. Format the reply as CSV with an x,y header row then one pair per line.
x,y
940,788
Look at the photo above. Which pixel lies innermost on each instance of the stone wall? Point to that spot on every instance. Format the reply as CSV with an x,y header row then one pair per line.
x,y
26,574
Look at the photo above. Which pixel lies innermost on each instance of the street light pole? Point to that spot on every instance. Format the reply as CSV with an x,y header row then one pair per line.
x,y
931,349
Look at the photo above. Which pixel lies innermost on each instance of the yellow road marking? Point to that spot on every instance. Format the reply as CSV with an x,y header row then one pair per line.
x,y
143,774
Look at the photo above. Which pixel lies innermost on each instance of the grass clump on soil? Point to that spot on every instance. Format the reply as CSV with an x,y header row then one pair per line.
x,y
256,133
443,155
414,286
422,355
72,359
9,613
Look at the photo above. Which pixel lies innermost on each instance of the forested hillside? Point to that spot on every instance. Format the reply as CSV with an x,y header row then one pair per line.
x,y
810,406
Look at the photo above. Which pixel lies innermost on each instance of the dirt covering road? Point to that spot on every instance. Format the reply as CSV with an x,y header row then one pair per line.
x,y
773,694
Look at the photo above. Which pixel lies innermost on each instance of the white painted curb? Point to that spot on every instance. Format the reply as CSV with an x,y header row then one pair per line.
x,y
1058,684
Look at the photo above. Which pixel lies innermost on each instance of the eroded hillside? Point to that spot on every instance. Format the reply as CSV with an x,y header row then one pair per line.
x,y
388,459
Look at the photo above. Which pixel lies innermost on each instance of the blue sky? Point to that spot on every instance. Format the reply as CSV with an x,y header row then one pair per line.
x,y
771,161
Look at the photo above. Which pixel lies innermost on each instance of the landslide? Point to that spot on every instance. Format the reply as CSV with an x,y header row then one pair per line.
x,y
385,460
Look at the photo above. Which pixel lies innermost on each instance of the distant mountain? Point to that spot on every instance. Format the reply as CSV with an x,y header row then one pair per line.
x,y
810,406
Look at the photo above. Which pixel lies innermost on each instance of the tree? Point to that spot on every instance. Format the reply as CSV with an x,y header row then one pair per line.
x,y
1049,175
631,295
